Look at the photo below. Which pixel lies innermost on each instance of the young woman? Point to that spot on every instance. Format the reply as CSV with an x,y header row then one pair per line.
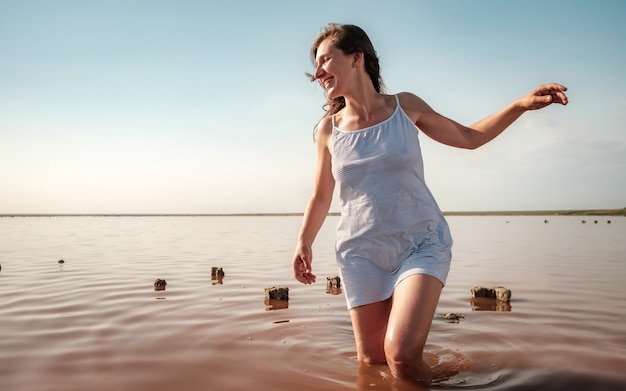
x,y
393,243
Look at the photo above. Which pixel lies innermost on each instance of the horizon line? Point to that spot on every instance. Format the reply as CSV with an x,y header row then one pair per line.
x,y
621,211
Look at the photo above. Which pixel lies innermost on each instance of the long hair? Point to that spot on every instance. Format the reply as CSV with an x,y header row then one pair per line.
x,y
349,39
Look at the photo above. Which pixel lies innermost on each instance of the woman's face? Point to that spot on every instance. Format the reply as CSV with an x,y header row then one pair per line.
x,y
333,69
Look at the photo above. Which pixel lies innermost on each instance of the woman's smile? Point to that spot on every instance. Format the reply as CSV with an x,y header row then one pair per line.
x,y
327,82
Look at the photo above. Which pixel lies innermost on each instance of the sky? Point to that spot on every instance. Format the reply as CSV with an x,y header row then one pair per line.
x,y
183,107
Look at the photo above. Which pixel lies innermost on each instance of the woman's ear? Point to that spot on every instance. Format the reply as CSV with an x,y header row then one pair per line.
x,y
356,58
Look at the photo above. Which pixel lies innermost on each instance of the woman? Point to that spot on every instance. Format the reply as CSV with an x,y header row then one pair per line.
x,y
393,243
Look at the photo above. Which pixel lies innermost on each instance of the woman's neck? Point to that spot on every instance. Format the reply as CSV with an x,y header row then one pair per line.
x,y
364,103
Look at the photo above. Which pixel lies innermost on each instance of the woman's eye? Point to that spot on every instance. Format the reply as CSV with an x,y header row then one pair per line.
x,y
322,61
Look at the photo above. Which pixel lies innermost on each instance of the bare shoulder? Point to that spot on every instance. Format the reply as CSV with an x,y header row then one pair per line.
x,y
413,105
324,130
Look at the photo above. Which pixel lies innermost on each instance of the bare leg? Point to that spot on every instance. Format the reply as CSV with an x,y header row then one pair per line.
x,y
370,325
414,303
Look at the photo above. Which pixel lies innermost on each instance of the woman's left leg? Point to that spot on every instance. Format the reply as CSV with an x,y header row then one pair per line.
x,y
413,307
369,323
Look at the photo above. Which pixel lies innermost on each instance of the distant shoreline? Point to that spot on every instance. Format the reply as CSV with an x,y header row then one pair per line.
x,y
589,212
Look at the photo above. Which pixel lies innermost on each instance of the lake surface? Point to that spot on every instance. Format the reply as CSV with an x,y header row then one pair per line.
x,y
96,322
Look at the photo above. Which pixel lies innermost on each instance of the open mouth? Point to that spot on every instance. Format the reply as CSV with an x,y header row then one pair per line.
x,y
327,82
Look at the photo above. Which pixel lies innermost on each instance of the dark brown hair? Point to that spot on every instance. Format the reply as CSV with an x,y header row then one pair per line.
x,y
349,39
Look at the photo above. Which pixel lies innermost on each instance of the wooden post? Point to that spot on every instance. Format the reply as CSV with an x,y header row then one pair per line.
x,y
277,293
159,284
498,292
216,272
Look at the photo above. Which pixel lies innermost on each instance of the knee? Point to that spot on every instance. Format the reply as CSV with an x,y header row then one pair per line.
x,y
412,369
406,363
402,364
401,351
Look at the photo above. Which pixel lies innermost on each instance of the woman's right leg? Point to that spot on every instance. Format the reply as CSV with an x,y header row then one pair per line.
x,y
415,300
369,323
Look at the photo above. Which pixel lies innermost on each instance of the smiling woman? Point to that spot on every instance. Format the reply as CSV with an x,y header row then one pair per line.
x,y
393,243
343,44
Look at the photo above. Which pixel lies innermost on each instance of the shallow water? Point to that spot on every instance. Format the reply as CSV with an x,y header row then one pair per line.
x,y
95,322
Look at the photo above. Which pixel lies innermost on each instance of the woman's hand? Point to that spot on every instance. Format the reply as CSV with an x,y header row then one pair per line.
x,y
543,96
302,264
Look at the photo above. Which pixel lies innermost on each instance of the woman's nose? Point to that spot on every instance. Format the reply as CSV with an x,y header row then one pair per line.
x,y
319,72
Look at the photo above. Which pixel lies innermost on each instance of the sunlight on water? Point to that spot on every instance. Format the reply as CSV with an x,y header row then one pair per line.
x,y
96,321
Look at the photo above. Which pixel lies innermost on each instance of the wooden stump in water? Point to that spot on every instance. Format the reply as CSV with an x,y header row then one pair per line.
x,y
159,284
333,282
274,293
333,285
497,292
502,293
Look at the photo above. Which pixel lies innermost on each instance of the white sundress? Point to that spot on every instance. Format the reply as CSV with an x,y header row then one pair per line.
x,y
391,226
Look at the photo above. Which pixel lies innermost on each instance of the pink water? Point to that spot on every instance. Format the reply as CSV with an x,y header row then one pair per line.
x,y
95,322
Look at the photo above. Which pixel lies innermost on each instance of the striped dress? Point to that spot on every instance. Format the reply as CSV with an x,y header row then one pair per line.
x,y
391,226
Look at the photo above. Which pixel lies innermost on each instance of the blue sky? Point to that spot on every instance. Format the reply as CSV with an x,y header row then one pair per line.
x,y
203,107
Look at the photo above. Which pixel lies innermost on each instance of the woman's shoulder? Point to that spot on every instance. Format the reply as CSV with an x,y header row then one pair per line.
x,y
412,104
324,128
326,124
409,99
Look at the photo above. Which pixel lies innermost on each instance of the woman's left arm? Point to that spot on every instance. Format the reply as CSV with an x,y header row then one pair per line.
x,y
452,133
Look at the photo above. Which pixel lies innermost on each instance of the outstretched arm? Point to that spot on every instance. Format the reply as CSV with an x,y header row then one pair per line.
x,y
317,207
452,133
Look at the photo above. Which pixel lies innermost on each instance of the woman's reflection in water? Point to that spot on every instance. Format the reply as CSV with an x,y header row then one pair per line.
x,y
445,365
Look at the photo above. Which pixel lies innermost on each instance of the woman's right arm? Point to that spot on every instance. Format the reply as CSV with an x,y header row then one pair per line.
x,y
317,207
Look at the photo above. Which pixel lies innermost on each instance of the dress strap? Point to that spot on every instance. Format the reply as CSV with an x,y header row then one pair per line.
x,y
333,119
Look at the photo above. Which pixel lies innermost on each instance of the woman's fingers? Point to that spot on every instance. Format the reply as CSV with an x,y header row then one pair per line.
x,y
545,95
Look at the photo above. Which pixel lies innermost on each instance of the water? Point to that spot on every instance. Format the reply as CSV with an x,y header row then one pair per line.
x,y
95,322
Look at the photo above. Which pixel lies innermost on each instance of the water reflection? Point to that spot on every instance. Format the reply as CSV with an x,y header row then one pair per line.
x,y
333,291
489,304
378,377
275,304
448,368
